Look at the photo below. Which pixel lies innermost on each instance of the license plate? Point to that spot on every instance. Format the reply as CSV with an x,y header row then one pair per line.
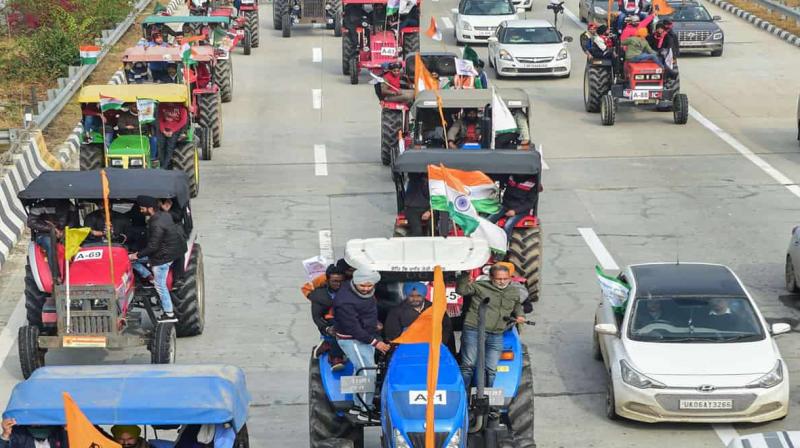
x,y
357,384
706,404
452,296
496,397
388,51
483,33
534,65
640,95
84,341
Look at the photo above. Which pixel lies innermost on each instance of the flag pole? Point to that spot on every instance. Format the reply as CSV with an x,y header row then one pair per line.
x,y
141,134
67,263
494,135
107,210
103,120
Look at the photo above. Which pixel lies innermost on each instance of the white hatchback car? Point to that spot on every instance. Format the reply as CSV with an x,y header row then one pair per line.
x,y
476,20
691,347
529,48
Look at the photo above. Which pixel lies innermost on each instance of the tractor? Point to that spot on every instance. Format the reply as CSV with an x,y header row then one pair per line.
x,y
102,146
478,417
246,17
94,300
288,13
525,244
371,39
206,103
249,9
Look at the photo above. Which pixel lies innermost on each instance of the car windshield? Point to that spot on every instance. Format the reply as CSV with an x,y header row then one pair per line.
x,y
487,8
531,36
689,13
694,319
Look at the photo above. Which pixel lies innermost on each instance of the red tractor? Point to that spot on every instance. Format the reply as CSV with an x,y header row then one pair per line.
x,y
371,40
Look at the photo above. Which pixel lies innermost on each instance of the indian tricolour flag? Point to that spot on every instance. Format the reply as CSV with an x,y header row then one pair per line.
x,y
461,194
503,121
110,103
89,54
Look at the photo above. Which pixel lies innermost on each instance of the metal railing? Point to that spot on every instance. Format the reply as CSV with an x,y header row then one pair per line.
x,y
779,8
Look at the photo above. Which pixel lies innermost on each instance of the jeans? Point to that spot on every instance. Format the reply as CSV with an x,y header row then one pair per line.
x,y
45,242
159,280
361,355
166,146
647,57
469,354
414,218
153,149
510,222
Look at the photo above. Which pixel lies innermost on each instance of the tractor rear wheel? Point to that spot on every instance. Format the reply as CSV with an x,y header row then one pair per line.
x,y
185,159
520,410
608,110
277,14
162,347
349,52
323,422
525,252
596,83
210,116
31,356
252,27
391,123
680,108
34,299
223,78
91,156
189,298
410,44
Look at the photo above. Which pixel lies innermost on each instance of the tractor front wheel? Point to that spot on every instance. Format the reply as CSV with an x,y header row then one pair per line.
x,y
91,156
31,356
247,43
680,108
286,21
337,24
596,83
608,110
185,159
349,52
207,144
252,27
223,78
323,422
210,116
242,438
277,14
354,71
164,344
520,410
525,252
391,122
189,298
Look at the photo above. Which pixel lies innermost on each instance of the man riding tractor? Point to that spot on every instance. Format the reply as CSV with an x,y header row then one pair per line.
x,y
165,133
373,37
206,102
81,289
288,13
485,412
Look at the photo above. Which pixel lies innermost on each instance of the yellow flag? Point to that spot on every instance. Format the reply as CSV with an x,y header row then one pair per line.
x,y
80,431
73,237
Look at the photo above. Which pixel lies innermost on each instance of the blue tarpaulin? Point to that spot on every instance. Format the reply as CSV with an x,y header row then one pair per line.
x,y
134,395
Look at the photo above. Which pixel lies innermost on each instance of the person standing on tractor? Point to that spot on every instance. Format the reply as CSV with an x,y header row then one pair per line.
x,y
518,200
158,69
504,303
355,315
635,26
403,315
322,299
391,89
665,42
629,8
417,203
465,130
164,246
172,120
638,50
31,436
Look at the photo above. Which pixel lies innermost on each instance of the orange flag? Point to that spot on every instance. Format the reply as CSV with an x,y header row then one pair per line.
x,y
662,8
80,431
107,209
433,32
423,80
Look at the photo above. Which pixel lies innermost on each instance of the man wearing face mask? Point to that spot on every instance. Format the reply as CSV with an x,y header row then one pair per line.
x,y
403,315
504,302
31,436
129,436
355,315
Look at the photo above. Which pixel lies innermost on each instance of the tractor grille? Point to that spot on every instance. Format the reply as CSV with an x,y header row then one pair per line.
x,y
418,439
535,60
313,8
693,36
91,324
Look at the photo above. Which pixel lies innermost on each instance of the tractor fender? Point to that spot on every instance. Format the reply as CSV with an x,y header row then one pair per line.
x,y
39,268
509,371
190,242
332,383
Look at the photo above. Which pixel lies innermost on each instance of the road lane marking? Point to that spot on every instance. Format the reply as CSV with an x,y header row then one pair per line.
x,y
726,433
545,166
447,23
600,252
325,245
316,98
746,152
316,54
573,17
320,161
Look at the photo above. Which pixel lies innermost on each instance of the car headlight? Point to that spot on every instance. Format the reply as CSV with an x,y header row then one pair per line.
x,y
631,377
136,162
116,162
505,55
717,36
455,441
561,54
466,26
771,379
399,440
599,11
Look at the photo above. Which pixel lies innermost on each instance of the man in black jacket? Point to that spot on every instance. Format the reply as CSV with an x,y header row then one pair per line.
x,y
31,436
519,198
322,314
403,315
164,245
417,203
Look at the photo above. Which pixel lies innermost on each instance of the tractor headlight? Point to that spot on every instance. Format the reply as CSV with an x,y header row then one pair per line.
x,y
466,26
655,77
771,379
117,162
632,377
599,11
137,162
399,440
455,441
561,54
717,36
638,77
506,56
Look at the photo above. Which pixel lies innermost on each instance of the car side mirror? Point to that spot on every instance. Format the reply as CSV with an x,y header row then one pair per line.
x,y
607,329
567,38
454,10
493,40
780,328
716,18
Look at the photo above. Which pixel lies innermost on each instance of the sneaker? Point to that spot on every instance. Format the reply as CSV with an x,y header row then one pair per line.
x,y
337,364
322,348
168,317
363,416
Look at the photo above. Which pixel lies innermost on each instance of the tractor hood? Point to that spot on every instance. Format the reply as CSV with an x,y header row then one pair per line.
x,y
91,266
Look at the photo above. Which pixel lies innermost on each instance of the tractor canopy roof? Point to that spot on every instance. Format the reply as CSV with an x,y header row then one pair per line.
x,y
498,161
471,98
123,184
442,62
139,53
134,395
152,20
129,93
417,254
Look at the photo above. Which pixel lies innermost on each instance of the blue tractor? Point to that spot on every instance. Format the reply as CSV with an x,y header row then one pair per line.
x,y
501,416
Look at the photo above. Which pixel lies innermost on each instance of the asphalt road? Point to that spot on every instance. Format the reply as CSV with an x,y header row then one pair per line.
x,y
299,174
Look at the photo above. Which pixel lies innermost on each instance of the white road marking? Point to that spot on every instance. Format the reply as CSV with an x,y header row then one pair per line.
x,y
573,17
545,166
325,245
726,433
320,161
316,98
746,152
447,23
600,252
8,337
316,54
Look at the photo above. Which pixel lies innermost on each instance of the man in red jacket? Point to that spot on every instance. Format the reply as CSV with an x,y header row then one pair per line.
x,y
172,119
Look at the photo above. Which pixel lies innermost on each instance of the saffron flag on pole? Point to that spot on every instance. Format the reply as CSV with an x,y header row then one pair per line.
x,y
107,209
89,54
110,103
662,8
147,110
423,80
433,31
80,431
449,193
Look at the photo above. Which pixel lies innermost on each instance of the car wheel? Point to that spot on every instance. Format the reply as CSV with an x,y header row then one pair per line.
x,y
611,401
791,277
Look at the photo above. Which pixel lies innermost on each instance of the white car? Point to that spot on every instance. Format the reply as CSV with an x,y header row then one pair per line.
x,y
476,20
529,48
691,347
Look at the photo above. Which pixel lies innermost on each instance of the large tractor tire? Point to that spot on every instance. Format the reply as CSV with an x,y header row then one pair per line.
x,y
323,422
242,438
207,144
525,252
91,156
252,27
247,43
223,78
349,52
608,110
337,22
354,71
410,44
31,356
34,299
189,298
596,83
286,18
277,17
520,410
185,158
391,124
680,108
164,344
210,116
